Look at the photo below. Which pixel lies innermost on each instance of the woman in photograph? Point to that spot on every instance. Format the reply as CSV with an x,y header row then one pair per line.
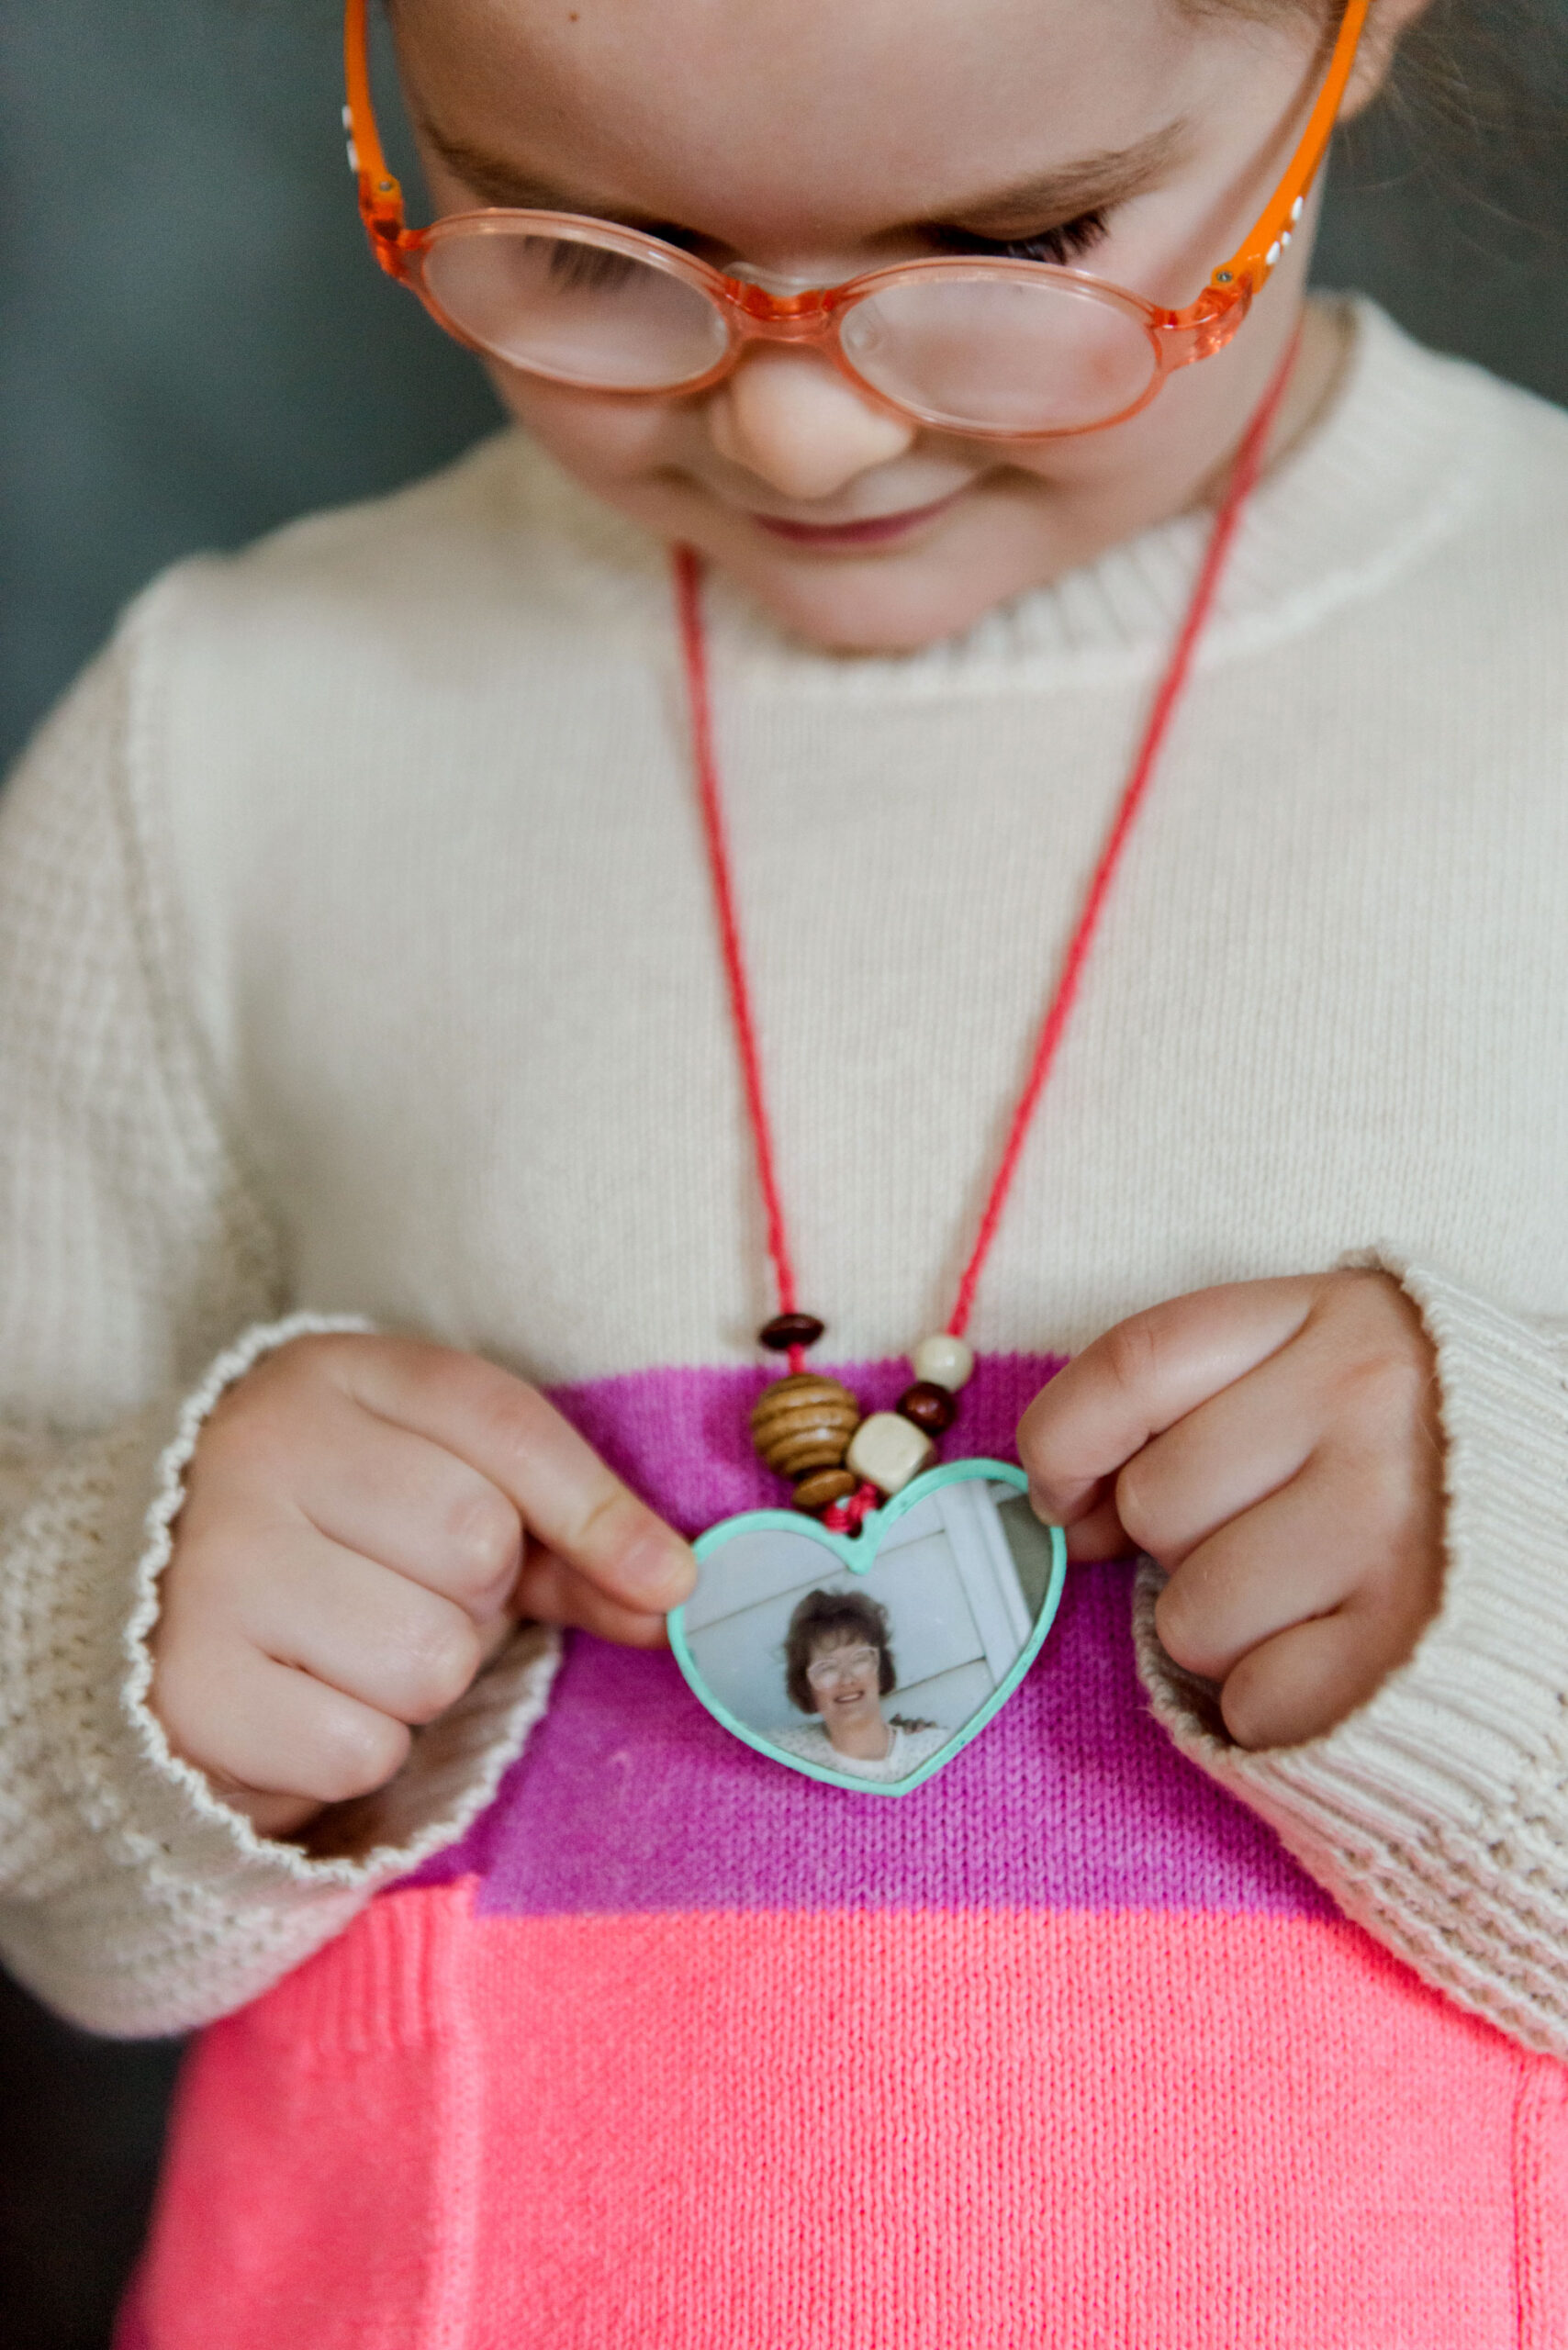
x,y
838,1666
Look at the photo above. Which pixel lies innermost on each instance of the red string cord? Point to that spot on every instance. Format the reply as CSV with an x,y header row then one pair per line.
x,y
689,598
694,646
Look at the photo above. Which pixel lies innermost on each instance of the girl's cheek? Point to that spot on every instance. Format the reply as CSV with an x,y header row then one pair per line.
x,y
604,442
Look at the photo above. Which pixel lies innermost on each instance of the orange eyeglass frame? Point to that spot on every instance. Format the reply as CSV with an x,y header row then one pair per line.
x,y
1179,335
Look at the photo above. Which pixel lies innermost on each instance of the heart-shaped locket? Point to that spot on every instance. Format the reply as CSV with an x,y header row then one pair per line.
x,y
868,1659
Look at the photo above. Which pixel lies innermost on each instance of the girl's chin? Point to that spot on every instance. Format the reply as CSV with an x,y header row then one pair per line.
x,y
889,602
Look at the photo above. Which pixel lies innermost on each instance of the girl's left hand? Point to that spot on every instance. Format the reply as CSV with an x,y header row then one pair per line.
x,y
1274,1446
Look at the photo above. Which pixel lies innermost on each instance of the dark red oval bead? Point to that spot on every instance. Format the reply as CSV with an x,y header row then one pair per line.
x,y
787,1330
931,1407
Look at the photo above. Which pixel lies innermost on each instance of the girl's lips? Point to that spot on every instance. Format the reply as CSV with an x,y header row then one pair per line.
x,y
877,532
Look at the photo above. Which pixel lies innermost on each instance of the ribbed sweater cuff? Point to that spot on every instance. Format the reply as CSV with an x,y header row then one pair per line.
x,y
1436,1814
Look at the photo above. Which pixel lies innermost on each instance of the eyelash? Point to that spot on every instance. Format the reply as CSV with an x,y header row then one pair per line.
x,y
1059,246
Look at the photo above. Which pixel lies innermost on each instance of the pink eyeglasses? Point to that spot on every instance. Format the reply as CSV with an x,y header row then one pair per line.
x,y
1009,350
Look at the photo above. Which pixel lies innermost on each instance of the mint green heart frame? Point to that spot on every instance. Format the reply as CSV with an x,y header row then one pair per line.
x,y
859,1553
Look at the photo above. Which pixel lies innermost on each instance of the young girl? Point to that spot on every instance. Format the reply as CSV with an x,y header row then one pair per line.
x,y
369,1075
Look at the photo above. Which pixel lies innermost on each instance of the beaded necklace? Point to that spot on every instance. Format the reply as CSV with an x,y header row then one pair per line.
x,y
853,1477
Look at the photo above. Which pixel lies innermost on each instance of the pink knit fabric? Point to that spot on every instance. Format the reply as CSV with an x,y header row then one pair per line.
x,y
679,2050
740,2134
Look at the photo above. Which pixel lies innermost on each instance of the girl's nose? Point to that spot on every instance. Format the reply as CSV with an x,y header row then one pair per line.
x,y
788,417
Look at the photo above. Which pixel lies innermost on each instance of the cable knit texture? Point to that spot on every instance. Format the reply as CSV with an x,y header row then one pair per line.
x,y
355,961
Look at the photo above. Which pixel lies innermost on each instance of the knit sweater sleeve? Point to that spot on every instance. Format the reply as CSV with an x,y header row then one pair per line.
x,y
1436,1814
138,1277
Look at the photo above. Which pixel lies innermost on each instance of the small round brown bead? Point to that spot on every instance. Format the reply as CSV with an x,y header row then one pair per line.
x,y
929,1406
787,1330
822,1488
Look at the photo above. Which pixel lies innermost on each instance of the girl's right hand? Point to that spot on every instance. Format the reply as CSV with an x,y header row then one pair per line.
x,y
366,1519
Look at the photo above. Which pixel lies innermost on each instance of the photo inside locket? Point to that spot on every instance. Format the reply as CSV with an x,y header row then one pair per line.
x,y
869,1675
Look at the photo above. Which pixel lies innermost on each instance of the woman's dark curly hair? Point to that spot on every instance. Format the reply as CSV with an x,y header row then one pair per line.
x,y
831,1619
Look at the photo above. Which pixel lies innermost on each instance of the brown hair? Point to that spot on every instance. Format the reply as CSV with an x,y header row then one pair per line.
x,y
831,1619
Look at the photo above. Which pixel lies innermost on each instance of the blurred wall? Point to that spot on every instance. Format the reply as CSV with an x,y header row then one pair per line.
x,y
193,346
194,343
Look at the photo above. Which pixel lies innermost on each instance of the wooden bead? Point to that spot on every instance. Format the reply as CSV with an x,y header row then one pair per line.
x,y
787,1330
803,1422
887,1450
943,1360
822,1487
929,1406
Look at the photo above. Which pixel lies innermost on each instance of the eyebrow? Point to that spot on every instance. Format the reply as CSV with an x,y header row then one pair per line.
x,y
1091,184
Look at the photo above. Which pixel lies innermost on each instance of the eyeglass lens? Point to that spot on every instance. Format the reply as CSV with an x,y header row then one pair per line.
x,y
839,1664
575,311
996,354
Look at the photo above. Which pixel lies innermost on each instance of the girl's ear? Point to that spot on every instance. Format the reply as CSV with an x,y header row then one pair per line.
x,y
1387,22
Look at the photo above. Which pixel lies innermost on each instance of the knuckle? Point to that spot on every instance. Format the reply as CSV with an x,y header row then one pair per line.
x,y
302,1361
1381,1397
609,1524
1132,1350
511,1407
257,1423
439,1666
511,1416
355,1755
482,1538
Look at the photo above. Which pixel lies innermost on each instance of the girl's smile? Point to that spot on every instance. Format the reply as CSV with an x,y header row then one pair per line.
x,y
876,530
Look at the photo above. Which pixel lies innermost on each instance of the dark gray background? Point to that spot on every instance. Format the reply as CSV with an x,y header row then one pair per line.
x,y
193,345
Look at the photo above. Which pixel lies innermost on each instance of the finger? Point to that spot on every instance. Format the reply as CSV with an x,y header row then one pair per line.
x,y
1304,1552
361,1627
549,1592
262,1727
1097,1535
1305,1680
1223,1458
568,1497
1143,1376
391,1495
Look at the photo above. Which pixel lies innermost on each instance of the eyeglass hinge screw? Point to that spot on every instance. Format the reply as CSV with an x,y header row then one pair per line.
x,y
1222,277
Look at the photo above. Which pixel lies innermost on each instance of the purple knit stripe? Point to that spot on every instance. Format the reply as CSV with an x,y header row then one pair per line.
x,y
630,1797
680,1437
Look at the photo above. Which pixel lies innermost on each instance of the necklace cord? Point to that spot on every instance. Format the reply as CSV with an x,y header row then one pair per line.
x,y
694,648
688,570
1243,480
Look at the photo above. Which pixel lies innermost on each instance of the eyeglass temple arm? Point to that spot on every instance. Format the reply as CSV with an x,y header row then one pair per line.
x,y
380,197
1248,269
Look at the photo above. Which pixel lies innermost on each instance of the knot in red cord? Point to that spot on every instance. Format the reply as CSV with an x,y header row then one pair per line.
x,y
849,1517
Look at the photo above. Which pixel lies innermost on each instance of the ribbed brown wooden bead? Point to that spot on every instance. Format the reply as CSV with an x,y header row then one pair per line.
x,y
803,1422
929,1406
787,1330
822,1488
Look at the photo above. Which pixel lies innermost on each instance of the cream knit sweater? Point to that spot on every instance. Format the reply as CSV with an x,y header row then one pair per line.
x,y
356,960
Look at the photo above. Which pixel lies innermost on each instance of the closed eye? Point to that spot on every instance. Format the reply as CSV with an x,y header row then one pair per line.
x,y
1059,246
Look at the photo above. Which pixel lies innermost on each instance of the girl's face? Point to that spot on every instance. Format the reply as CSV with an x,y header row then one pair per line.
x,y
1134,138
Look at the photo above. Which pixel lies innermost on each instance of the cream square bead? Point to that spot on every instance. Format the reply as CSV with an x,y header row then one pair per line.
x,y
947,1361
887,1451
